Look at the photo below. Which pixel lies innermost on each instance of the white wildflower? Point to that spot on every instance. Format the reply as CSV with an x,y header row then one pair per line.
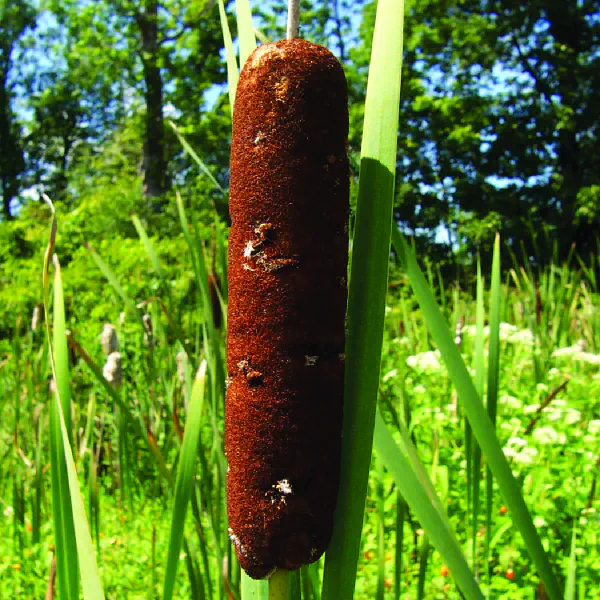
x,y
389,375
546,435
540,522
425,361
594,426
588,358
419,389
567,352
506,331
531,408
573,416
517,441
510,401
553,414
524,337
526,456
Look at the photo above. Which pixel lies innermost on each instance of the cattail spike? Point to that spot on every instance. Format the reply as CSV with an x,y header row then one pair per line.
x,y
288,254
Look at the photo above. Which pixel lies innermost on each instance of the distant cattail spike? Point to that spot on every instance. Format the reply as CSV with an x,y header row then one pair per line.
x,y
113,371
288,254
37,317
108,339
181,360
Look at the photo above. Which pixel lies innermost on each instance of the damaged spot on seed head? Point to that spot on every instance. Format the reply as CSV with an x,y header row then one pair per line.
x,y
235,540
310,361
284,486
275,264
254,378
279,491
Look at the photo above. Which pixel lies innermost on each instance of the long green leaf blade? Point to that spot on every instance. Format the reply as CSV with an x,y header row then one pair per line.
x,y
233,72
367,291
480,422
417,496
245,30
185,479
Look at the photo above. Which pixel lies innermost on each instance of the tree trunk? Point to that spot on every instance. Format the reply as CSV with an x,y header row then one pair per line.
x,y
154,162
11,155
565,26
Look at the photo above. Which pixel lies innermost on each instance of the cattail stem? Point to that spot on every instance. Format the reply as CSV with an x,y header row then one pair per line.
x,y
279,585
293,22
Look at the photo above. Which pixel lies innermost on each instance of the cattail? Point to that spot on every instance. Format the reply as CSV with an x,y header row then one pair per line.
x,y
36,317
288,254
148,334
108,339
181,360
112,371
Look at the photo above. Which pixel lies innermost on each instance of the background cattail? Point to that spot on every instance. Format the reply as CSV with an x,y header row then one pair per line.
x,y
109,340
181,359
36,317
113,371
288,254
148,334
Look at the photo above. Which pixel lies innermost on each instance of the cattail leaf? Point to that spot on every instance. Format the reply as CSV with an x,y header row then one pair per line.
x,y
254,589
135,420
367,291
74,549
482,427
245,30
493,379
112,279
184,481
232,67
570,589
419,499
201,164
151,253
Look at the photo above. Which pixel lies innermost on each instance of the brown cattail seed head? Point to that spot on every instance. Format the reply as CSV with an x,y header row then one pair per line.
x,y
108,339
288,254
112,371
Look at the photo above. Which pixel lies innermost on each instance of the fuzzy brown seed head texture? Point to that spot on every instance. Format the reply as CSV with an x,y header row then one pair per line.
x,y
288,255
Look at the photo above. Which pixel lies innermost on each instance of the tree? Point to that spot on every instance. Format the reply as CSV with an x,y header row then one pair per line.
x,y
151,46
499,122
16,17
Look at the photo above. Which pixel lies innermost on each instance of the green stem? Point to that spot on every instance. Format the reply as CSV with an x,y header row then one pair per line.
x,y
279,585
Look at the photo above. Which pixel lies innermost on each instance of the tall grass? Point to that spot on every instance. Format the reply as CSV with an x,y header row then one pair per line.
x,y
172,423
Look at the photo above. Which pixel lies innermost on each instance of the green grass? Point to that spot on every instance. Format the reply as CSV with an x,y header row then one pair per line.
x,y
414,519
